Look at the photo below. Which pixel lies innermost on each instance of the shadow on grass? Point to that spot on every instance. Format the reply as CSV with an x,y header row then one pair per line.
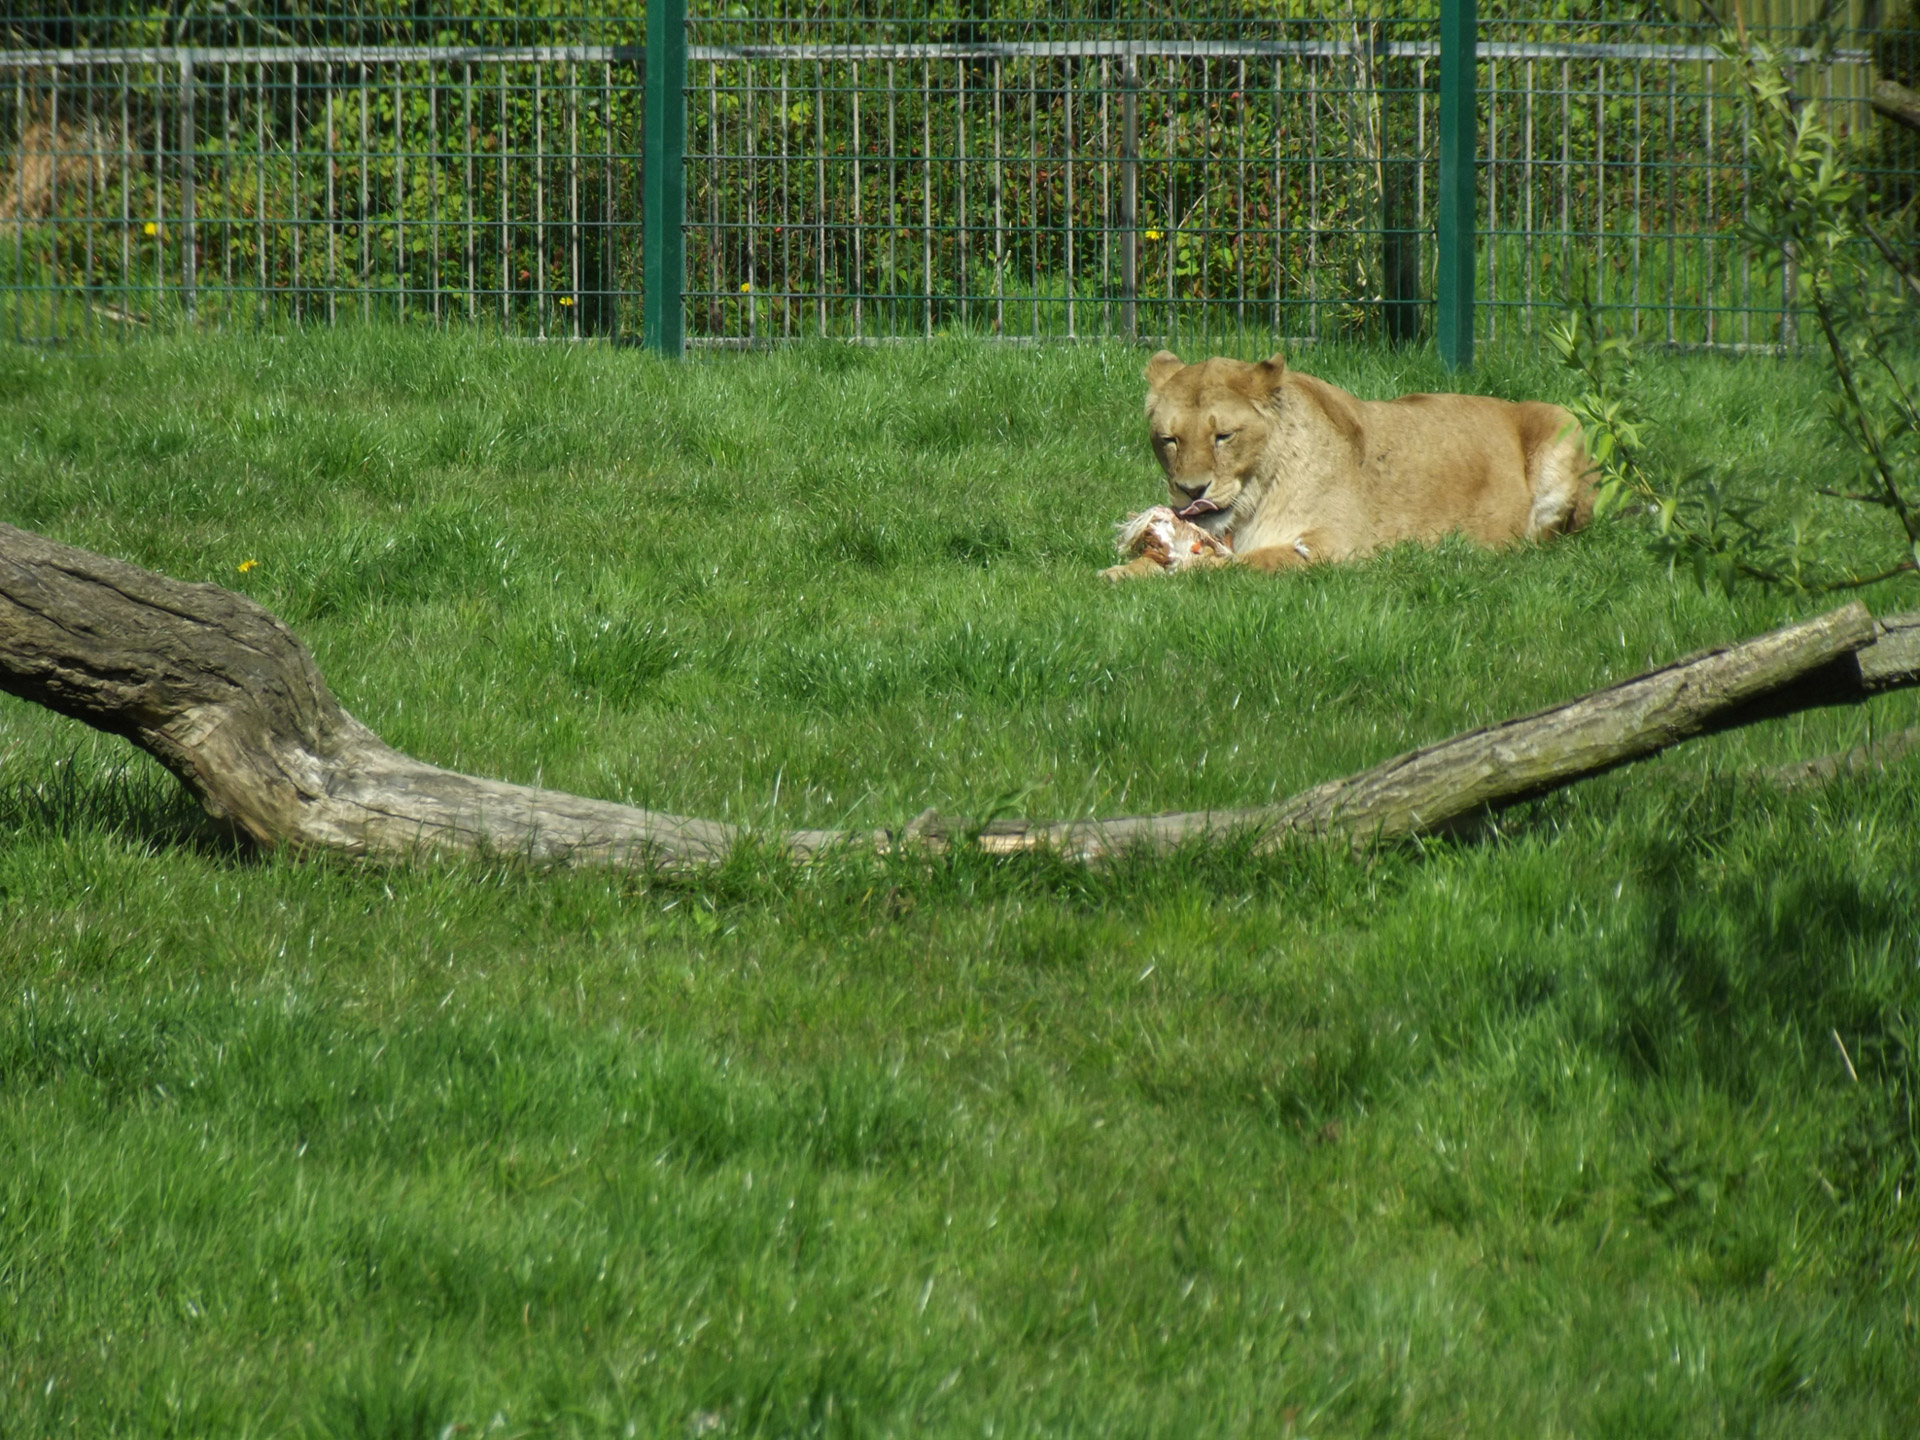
x,y
1791,962
1722,970
134,801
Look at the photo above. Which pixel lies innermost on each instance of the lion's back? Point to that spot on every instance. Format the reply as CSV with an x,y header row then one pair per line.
x,y
1497,470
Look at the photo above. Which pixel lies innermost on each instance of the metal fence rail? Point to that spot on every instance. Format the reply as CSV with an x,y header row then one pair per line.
x,y
1214,182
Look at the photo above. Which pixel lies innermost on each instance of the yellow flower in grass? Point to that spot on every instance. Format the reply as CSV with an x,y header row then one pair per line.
x,y
247,567
1153,234
150,229
746,287
566,299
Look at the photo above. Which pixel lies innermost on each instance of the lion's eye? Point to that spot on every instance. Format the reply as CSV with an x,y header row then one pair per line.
x,y
1224,436
1167,440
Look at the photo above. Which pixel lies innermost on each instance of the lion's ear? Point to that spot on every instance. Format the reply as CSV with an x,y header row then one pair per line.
x,y
1271,372
1160,367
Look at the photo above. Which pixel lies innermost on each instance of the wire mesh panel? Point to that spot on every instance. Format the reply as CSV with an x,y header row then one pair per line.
x,y
229,183
1227,176
1616,163
1037,178
1034,170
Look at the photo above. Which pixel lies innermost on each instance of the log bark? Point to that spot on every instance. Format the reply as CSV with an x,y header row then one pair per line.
x,y
1897,102
227,698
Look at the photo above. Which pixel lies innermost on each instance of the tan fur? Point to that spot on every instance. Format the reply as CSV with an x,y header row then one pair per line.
x,y
1305,472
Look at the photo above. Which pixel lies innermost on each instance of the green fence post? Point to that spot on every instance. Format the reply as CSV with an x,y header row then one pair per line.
x,y
1130,198
1453,283
663,180
189,261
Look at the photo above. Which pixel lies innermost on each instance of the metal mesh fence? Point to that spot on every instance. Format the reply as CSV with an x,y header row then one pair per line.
x,y
1030,186
158,184
852,171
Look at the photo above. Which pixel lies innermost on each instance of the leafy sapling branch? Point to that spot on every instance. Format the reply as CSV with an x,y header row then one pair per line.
x,y
1820,229
1700,522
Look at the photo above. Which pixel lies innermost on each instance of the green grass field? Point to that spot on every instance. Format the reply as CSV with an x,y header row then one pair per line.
x,y
1599,1124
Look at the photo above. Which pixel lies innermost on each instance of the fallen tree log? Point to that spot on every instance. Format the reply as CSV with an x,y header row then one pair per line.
x,y
225,696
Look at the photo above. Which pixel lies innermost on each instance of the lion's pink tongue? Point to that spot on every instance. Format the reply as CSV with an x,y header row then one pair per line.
x,y
1202,506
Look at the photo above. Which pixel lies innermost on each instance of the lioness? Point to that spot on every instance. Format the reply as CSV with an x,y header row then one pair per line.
x,y
1291,470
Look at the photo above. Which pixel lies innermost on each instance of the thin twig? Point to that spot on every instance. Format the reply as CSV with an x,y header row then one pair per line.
x,y
1844,370
1891,255
1900,386
1845,1058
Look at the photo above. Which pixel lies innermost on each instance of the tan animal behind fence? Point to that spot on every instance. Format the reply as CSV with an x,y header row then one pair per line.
x,y
49,169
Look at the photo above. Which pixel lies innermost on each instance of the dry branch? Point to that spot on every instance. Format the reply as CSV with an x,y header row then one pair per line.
x,y
229,700
1840,658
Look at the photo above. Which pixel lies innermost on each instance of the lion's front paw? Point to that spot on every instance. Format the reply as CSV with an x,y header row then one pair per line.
x,y
1213,560
1134,569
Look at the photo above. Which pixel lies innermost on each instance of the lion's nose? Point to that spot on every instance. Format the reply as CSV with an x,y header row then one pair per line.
x,y
1192,492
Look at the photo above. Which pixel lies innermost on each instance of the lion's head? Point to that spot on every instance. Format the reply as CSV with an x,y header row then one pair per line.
x,y
1211,425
